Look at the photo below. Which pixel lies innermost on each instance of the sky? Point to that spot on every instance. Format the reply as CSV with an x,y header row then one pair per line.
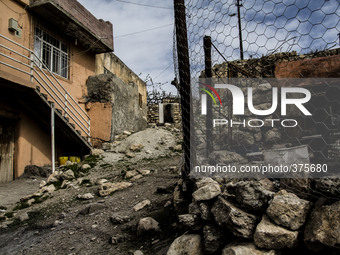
x,y
147,53
268,26
143,31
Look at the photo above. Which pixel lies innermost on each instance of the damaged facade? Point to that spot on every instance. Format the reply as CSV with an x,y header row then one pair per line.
x,y
164,110
116,99
320,132
48,51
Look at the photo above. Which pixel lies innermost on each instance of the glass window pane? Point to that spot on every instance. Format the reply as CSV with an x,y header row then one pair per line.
x,y
47,55
56,61
64,66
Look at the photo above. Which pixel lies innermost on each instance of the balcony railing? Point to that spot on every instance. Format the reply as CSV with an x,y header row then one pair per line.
x,y
25,61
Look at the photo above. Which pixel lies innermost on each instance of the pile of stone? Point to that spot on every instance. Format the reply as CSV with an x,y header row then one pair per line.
x,y
253,217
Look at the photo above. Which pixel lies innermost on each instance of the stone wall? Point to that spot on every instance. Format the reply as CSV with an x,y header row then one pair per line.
x,y
113,106
324,64
284,65
171,111
227,216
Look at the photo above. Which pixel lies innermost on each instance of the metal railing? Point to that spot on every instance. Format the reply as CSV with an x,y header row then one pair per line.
x,y
47,81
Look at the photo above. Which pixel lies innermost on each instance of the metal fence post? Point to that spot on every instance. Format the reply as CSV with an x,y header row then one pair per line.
x,y
52,137
208,76
184,80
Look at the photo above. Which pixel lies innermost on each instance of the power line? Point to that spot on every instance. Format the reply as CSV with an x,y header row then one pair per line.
x,y
145,5
163,71
147,30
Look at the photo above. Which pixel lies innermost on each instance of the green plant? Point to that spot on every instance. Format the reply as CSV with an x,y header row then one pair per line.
x,y
92,160
21,206
9,215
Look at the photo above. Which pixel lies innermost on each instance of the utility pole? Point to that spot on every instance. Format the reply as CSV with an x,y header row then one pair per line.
x,y
240,27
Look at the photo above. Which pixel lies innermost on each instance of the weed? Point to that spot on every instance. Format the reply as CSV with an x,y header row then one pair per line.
x,y
9,215
21,206
92,160
39,200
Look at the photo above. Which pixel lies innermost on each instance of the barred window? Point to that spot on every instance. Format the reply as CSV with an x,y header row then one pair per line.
x,y
52,52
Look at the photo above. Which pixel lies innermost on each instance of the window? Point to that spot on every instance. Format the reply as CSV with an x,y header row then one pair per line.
x,y
52,52
140,101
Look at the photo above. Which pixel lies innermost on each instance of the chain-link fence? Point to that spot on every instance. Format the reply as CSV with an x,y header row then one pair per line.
x,y
258,44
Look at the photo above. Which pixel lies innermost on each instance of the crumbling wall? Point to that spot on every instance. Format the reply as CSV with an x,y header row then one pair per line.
x,y
110,63
113,106
153,113
323,64
173,103
284,65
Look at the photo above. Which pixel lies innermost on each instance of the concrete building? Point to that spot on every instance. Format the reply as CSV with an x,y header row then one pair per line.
x,y
48,51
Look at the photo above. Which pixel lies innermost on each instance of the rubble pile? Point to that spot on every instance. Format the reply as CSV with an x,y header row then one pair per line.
x,y
254,217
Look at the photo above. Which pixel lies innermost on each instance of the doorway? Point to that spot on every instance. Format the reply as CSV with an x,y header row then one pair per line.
x,y
6,150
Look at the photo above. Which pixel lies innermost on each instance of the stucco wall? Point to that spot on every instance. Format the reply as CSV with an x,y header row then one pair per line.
x,y
116,66
32,141
101,118
321,67
33,146
105,91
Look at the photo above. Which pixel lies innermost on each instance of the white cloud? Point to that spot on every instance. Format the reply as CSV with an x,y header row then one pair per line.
x,y
147,52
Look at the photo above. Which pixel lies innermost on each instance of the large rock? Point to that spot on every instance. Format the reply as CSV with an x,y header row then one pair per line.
x,y
48,189
188,244
110,187
244,139
141,205
252,195
97,152
270,236
288,210
213,238
119,219
136,147
204,181
130,174
205,211
299,186
67,175
207,192
53,178
147,224
190,221
272,136
323,227
86,196
240,223
328,186
224,157
246,249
